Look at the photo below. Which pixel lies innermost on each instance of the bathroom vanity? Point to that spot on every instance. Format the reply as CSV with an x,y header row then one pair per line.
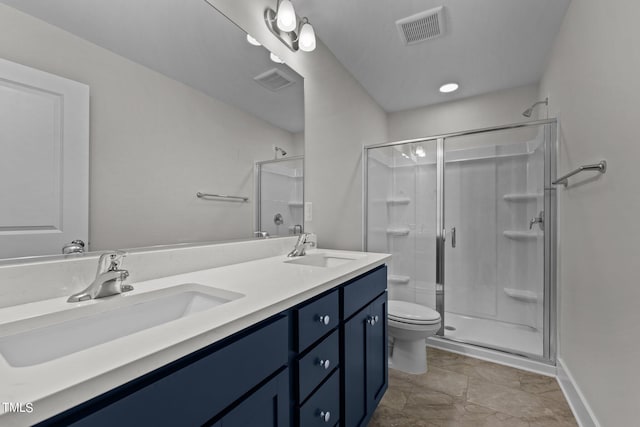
x,y
302,343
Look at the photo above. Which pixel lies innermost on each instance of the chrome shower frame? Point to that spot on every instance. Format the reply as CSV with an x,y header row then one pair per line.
x,y
549,350
257,185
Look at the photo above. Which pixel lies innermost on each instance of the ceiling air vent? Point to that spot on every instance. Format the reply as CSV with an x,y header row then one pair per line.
x,y
422,26
274,80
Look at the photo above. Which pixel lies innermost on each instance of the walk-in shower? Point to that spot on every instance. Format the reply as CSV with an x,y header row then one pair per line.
x,y
470,220
279,196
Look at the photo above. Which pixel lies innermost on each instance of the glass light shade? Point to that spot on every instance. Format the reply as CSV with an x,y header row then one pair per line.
x,y
449,87
286,16
275,58
253,41
307,40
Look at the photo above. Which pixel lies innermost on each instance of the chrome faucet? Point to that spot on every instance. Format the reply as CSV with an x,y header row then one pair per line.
x,y
301,246
109,279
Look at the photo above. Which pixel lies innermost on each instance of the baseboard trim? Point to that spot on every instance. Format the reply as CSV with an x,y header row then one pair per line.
x,y
579,406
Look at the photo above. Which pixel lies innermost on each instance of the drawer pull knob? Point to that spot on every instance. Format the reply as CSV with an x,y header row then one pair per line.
x,y
324,319
326,416
372,320
324,363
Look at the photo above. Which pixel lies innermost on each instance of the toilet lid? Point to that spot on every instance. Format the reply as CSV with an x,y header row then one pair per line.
x,y
409,312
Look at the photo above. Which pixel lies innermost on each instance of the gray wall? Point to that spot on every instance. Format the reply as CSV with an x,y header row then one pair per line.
x,y
154,142
340,117
491,109
592,83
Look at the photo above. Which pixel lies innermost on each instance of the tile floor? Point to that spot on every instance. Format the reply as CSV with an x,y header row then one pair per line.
x,y
464,392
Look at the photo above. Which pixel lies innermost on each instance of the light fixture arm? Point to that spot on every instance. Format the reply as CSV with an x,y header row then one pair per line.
x,y
270,17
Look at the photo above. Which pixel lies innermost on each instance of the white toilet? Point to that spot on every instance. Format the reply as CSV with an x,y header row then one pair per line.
x,y
409,326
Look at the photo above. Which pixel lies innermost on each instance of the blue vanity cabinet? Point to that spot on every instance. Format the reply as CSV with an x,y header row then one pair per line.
x,y
200,387
364,354
320,363
266,407
317,361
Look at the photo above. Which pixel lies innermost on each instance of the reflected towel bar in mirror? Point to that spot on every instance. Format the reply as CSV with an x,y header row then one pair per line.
x,y
222,196
600,167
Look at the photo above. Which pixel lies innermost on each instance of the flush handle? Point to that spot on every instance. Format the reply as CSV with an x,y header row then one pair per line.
x,y
453,237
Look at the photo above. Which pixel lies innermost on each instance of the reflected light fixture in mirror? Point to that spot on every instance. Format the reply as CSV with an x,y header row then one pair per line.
x,y
296,34
253,41
275,58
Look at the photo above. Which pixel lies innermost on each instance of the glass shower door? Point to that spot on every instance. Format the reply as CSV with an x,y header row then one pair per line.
x,y
401,214
494,192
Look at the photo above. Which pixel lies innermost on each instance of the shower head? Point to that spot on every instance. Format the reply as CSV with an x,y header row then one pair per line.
x,y
282,152
529,111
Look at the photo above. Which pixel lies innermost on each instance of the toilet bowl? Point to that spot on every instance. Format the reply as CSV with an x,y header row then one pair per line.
x,y
409,326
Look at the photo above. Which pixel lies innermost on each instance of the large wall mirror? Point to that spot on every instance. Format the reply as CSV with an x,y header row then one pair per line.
x,y
180,103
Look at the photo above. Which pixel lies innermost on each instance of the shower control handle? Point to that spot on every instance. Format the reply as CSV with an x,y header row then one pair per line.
x,y
453,237
538,220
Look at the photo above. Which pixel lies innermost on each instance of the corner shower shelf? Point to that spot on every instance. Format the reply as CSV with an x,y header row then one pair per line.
x,y
296,204
398,231
520,235
398,201
521,197
520,295
398,279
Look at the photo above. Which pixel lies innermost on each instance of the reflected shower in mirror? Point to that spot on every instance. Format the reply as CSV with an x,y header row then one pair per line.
x,y
280,196
180,103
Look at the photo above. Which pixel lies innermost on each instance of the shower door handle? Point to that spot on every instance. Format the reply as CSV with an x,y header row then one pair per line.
x,y
453,237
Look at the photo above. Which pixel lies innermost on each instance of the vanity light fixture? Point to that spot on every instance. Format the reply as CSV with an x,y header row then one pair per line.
x,y
449,87
296,34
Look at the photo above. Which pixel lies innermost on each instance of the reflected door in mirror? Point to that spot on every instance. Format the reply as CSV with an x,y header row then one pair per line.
x,y
44,161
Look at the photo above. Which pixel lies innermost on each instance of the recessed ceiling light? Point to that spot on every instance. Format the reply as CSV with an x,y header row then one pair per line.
x,y
449,87
252,40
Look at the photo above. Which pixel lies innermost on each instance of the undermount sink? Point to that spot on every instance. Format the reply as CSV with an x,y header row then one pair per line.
x,y
48,337
320,260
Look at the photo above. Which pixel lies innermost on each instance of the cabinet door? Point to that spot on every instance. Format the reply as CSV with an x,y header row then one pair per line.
x,y
267,407
365,357
354,368
376,353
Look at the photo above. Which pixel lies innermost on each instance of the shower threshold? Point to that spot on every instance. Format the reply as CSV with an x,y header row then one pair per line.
x,y
518,339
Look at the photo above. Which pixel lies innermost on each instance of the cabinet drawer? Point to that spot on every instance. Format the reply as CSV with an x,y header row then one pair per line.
x,y
326,400
362,291
317,364
317,319
199,391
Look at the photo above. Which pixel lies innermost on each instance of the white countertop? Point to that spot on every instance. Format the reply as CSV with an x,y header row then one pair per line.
x,y
270,286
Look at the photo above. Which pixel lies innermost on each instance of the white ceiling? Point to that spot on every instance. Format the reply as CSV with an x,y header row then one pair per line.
x,y
488,45
188,41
